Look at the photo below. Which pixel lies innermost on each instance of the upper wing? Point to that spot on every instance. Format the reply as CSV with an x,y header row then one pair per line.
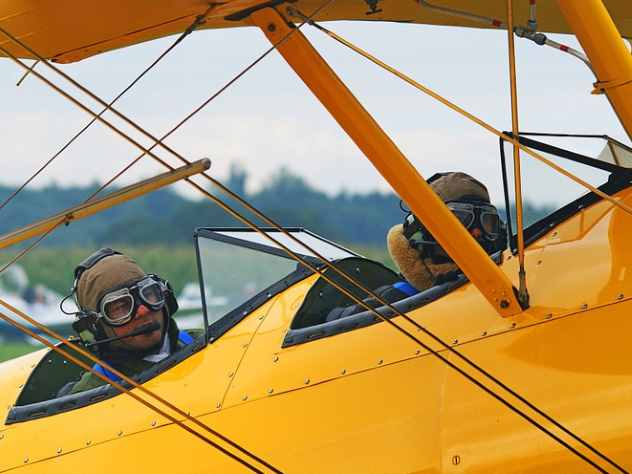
x,y
70,30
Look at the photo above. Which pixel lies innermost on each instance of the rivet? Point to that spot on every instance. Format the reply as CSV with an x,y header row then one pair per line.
x,y
620,296
504,304
88,443
219,405
307,381
343,371
554,234
585,306
539,262
261,318
380,362
456,460
59,450
513,325
245,398
418,351
275,358
484,333
120,433
548,316
271,27
188,413
270,391
21,385
153,423
245,346
456,341
26,460
230,374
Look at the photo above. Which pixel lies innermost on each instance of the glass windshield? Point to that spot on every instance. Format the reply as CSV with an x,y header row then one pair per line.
x,y
327,249
233,271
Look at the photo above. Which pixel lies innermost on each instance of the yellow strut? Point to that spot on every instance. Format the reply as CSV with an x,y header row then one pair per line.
x,y
389,161
611,61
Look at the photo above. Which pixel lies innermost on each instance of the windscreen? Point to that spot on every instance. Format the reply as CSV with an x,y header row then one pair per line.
x,y
232,273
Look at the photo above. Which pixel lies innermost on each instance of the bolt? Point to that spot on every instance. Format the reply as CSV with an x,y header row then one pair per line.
x,y
120,433
245,346
343,371
548,316
418,351
271,27
380,362
484,333
620,296
513,325
275,358
307,381
585,306
456,460
26,460
230,374
59,450
261,318
270,391
153,423
245,398
219,405
456,341
88,443
504,304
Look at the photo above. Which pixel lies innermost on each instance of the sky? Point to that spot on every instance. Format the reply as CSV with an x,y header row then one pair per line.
x,y
269,120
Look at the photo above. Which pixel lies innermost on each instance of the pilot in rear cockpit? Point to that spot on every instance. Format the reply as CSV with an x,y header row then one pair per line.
x,y
125,317
420,259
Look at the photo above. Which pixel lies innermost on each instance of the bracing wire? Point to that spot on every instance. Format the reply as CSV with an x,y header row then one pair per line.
x,y
471,117
196,23
122,389
360,302
52,334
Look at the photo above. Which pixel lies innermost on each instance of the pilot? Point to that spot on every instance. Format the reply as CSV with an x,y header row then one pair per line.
x,y
125,317
420,259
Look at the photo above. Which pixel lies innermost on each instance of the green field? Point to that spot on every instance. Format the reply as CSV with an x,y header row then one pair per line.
x,y
10,350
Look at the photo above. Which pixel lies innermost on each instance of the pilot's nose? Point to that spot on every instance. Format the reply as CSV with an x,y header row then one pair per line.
x,y
142,310
476,232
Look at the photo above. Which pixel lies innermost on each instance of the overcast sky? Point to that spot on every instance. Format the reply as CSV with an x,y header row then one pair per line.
x,y
269,119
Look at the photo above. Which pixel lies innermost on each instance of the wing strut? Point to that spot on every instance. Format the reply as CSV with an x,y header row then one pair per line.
x,y
493,283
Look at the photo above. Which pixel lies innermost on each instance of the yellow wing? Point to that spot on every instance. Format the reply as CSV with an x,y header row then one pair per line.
x,y
70,30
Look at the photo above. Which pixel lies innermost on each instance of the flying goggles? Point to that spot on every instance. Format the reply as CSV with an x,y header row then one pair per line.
x,y
472,215
118,307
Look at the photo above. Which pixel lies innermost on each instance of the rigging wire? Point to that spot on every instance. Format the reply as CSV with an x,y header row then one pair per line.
x,y
523,293
52,334
471,117
120,387
228,209
95,359
199,20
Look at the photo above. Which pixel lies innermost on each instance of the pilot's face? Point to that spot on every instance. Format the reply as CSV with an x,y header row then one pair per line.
x,y
142,342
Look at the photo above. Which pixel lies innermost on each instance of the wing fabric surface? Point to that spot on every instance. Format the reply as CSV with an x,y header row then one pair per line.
x,y
71,30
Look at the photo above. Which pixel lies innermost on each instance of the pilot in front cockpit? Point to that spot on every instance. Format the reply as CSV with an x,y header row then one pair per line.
x,y
125,317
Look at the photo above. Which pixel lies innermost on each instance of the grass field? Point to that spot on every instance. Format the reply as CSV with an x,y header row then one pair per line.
x,y
10,350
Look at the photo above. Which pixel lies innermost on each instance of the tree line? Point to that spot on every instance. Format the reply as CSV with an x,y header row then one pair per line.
x,y
164,217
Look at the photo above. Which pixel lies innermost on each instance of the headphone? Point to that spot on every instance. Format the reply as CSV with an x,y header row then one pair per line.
x,y
87,321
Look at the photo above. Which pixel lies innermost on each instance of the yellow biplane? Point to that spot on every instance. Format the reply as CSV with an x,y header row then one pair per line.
x,y
522,364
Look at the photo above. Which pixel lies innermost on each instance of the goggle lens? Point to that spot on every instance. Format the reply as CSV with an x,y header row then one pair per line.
x,y
466,217
152,294
119,310
490,224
